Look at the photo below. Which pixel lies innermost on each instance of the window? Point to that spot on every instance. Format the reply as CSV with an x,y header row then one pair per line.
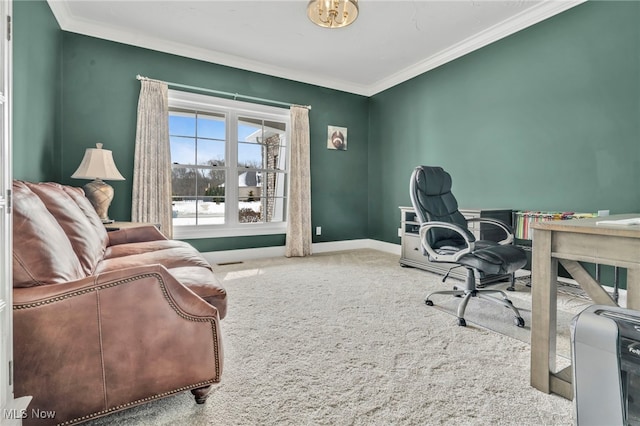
x,y
229,166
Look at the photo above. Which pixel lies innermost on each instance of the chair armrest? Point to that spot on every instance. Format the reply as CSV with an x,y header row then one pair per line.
x,y
424,228
138,234
499,224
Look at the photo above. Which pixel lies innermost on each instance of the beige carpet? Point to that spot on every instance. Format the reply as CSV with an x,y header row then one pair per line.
x,y
487,315
346,339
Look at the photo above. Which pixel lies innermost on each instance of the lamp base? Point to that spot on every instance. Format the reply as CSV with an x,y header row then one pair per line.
x,y
100,195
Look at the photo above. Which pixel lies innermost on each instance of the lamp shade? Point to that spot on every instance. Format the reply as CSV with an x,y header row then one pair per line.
x,y
97,163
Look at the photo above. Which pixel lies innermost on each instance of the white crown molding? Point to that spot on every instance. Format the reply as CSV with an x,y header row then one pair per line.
x,y
499,31
530,17
68,22
61,12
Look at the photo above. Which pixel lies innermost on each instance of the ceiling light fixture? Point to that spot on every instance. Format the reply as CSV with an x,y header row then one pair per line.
x,y
332,13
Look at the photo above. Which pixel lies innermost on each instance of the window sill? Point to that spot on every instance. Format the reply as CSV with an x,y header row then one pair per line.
x,y
218,231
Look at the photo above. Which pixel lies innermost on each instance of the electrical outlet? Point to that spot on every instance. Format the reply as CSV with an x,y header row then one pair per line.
x,y
318,230
603,212
399,232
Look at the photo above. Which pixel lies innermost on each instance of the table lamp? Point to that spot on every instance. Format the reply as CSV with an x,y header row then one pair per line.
x,y
98,164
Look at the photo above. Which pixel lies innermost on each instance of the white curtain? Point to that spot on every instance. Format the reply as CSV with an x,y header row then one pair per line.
x,y
298,240
151,200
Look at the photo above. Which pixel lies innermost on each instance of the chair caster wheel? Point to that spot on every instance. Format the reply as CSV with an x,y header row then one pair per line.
x,y
428,302
462,322
520,321
511,289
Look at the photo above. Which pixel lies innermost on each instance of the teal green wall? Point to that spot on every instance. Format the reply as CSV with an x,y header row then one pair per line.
x,y
37,48
100,101
71,91
546,119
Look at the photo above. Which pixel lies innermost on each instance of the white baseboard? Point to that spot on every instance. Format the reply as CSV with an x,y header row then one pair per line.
x,y
229,256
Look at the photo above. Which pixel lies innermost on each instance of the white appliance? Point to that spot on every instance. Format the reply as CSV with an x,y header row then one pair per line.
x,y
606,366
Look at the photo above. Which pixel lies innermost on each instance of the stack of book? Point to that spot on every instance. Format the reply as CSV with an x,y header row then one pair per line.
x,y
524,219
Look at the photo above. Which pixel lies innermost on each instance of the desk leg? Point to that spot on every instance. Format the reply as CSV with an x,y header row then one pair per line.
x,y
633,288
544,283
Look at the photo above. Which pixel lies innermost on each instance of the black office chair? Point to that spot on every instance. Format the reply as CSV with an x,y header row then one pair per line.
x,y
445,237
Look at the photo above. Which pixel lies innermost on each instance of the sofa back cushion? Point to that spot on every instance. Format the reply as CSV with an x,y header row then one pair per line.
x,y
78,219
42,253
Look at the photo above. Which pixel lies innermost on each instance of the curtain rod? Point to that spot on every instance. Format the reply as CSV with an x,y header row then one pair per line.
x,y
235,96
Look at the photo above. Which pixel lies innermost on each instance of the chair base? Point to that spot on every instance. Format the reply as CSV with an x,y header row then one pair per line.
x,y
470,291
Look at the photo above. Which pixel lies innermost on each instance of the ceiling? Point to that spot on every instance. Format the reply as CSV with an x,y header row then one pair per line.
x,y
390,42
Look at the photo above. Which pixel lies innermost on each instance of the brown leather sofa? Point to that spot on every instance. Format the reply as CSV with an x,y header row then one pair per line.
x,y
104,321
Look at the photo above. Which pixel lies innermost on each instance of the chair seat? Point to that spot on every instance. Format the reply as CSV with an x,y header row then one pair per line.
x,y
495,258
489,257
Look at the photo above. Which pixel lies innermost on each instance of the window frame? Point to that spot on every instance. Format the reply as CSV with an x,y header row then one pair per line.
x,y
232,110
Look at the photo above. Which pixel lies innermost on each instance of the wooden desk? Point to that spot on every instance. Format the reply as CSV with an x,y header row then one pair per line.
x,y
569,242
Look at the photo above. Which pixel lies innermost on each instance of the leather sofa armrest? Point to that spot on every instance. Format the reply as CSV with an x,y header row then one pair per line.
x,y
138,234
184,299
104,330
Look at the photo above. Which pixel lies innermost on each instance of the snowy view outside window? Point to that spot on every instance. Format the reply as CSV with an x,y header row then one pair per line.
x,y
227,168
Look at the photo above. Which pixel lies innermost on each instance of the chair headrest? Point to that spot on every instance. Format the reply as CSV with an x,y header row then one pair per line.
x,y
432,180
432,200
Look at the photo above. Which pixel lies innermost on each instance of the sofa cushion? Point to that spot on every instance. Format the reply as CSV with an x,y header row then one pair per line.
x,y
42,253
78,219
129,249
175,254
83,203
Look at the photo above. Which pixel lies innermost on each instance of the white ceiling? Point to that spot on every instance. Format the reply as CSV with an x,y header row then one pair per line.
x,y
390,42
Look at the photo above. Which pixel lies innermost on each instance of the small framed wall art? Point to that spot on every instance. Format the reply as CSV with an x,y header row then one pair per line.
x,y
337,138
